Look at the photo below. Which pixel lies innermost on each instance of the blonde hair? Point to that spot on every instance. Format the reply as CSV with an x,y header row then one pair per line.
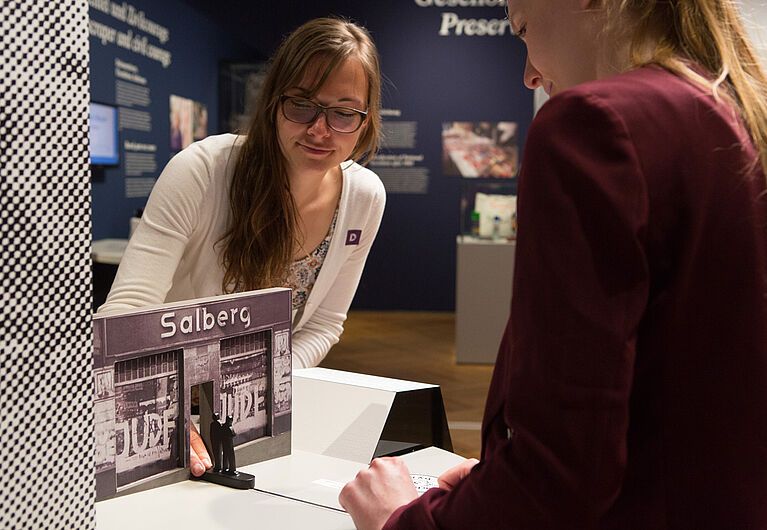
x,y
680,34
260,239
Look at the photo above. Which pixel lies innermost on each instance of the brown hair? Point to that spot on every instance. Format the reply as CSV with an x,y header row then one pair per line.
x,y
258,245
679,34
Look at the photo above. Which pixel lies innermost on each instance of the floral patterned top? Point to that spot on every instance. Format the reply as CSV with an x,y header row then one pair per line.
x,y
303,272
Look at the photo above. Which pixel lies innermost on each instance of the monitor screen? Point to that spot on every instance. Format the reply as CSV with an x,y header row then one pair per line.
x,y
103,135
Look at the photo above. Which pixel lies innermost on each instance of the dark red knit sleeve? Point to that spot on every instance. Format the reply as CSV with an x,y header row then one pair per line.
x,y
563,378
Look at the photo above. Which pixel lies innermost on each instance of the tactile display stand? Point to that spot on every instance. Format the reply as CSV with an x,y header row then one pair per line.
x,y
358,417
46,384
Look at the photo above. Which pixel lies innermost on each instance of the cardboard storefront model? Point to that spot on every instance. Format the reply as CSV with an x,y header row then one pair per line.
x,y
235,349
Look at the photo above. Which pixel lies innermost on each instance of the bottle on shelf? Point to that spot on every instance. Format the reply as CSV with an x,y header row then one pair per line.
x,y
496,228
475,223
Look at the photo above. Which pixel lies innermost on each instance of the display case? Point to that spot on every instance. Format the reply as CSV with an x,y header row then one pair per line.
x,y
488,209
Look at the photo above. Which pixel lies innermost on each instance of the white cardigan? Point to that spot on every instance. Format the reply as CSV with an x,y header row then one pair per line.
x,y
171,256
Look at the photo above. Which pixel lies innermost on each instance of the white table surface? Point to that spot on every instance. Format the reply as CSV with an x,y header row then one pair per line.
x,y
192,504
302,476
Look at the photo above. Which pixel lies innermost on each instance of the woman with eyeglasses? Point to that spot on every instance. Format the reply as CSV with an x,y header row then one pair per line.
x,y
285,205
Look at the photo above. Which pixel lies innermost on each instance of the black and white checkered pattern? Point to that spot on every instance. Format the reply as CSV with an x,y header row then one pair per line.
x,y
46,428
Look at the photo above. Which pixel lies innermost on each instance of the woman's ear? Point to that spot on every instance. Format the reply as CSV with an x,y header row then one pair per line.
x,y
363,127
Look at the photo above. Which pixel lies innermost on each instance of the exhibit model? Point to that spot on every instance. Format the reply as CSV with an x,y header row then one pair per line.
x,y
236,349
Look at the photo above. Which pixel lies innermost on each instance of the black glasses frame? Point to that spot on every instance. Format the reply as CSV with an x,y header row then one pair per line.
x,y
322,109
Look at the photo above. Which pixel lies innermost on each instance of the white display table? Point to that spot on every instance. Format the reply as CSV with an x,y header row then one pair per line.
x,y
484,274
299,490
106,255
295,491
109,251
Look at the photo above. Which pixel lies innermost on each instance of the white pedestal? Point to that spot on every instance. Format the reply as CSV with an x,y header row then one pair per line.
x,y
484,275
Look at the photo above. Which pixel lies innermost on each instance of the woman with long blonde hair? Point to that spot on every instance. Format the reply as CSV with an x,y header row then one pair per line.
x,y
629,390
285,205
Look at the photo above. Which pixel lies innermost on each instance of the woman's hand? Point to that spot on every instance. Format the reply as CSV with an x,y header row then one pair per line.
x,y
450,478
376,492
199,460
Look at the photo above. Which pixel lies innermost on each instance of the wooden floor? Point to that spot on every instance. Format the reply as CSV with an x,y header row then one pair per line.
x,y
417,347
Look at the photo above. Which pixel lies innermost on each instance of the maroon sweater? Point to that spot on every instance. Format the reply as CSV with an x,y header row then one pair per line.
x,y
630,389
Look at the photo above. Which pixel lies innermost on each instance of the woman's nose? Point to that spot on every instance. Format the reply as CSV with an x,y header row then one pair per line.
x,y
533,78
320,125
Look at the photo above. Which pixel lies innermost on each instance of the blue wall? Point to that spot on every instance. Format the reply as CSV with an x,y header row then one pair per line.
x,y
196,45
435,79
431,78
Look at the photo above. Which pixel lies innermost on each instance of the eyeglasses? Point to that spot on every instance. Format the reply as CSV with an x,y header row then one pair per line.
x,y
340,119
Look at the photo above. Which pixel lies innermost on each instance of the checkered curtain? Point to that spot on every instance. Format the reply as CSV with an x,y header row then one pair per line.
x,y
46,411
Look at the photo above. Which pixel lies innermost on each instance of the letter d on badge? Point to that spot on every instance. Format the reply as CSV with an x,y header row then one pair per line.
x,y
353,237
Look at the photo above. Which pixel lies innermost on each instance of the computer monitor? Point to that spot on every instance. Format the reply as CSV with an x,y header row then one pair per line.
x,y
103,135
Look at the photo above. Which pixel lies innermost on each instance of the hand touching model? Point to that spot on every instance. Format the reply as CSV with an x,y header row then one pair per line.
x,y
199,460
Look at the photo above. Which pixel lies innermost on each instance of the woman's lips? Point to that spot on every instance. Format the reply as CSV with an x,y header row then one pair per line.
x,y
314,150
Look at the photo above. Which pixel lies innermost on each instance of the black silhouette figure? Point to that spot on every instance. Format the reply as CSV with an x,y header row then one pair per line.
x,y
224,470
215,443
227,441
